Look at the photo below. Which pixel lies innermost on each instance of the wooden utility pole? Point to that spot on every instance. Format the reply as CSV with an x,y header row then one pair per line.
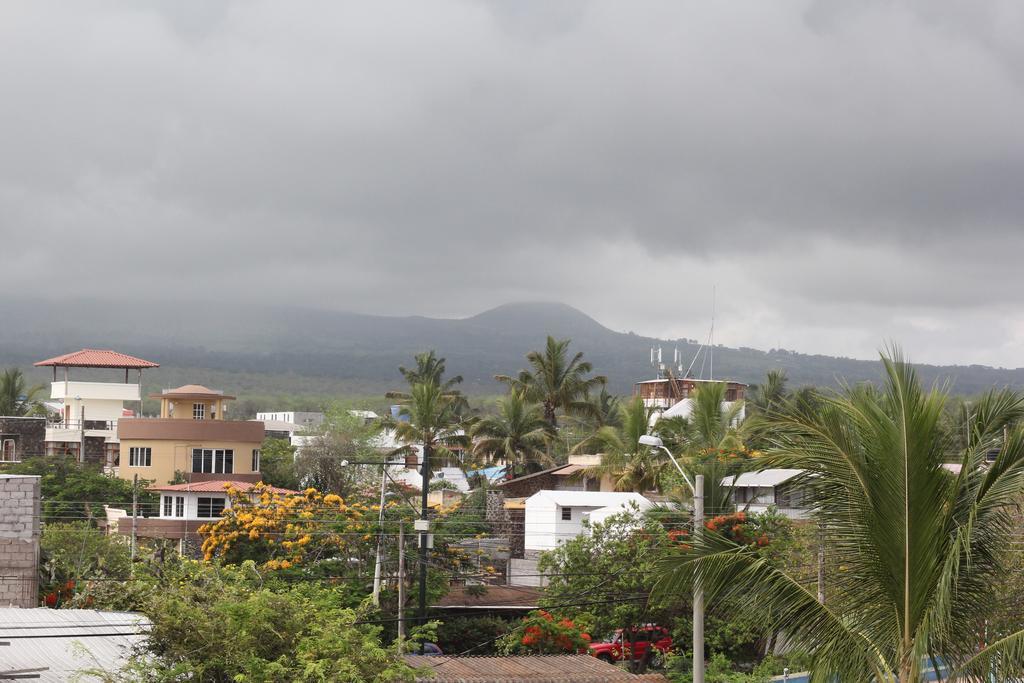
x,y
401,582
821,564
135,512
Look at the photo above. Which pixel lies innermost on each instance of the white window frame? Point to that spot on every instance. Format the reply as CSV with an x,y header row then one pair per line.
x,y
14,450
135,454
198,411
256,460
179,506
566,514
168,505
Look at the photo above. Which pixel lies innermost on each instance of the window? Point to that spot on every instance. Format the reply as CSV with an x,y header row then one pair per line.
x,y
198,411
167,506
566,514
213,460
8,450
210,507
179,506
140,456
255,460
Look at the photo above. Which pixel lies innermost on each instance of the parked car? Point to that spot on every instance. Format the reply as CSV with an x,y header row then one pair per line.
x,y
649,641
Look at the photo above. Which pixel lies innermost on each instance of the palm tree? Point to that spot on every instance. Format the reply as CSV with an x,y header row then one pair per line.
x,y
431,423
518,434
919,548
16,397
630,466
771,394
710,427
430,370
556,381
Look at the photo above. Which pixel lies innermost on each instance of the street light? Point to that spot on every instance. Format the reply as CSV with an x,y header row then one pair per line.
x,y
697,488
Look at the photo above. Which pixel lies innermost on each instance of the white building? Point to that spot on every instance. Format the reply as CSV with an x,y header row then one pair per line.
x,y
87,412
203,500
757,491
553,517
302,419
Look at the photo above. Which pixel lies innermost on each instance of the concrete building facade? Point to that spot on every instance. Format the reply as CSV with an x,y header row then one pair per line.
x,y
19,540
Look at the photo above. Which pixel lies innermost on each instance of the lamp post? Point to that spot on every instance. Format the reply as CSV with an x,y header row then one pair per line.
x,y
697,487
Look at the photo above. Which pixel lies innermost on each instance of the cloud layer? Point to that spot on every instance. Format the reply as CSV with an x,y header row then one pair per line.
x,y
841,173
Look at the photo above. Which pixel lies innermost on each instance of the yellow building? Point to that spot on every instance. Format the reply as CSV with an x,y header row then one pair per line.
x,y
190,437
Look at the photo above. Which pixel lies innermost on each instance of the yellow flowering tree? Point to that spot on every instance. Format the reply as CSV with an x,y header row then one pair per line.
x,y
282,530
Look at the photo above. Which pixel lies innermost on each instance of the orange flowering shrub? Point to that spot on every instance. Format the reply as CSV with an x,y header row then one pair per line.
x,y
280,531
542,633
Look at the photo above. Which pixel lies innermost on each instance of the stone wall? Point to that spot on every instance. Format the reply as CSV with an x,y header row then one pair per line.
x,y
28,434
19,540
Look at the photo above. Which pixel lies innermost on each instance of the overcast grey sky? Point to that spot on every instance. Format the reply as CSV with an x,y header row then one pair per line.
x,y
846,172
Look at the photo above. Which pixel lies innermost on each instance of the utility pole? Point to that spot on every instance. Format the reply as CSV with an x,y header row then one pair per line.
x,y
698,590
821,564
81,433
380,536
424,528
135,512
401,582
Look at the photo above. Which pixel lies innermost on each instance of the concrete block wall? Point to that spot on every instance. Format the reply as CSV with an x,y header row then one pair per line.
x,y
19,540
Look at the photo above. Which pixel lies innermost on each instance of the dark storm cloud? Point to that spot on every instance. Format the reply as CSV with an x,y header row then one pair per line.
x,y
844,172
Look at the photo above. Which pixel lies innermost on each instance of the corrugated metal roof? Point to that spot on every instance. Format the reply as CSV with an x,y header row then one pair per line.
x,y
766,478
66,641
532,668
97,358
217,486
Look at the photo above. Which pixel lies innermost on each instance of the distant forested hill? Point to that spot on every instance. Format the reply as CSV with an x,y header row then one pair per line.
x,y
276,351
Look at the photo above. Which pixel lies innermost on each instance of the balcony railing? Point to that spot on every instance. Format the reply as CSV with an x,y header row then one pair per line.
x,y
109,425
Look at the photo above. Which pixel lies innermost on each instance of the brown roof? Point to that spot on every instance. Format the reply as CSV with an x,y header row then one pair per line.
x,y
218,486
551,470
97,358
494,597
164,429
531,668
191,391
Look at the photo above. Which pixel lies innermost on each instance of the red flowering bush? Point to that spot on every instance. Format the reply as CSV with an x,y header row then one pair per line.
x,y
543,633
739,529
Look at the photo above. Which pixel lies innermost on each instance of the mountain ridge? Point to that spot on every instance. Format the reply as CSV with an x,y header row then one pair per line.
x,y
309,350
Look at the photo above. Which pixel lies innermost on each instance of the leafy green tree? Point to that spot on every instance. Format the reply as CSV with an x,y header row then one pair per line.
x,y
225,624
919,549
76,552
630,466
277,463
556,381
516,435
604,578
72,490
342,438
17,398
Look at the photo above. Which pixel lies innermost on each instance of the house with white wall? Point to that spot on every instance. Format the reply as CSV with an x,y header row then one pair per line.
x,y
87,412
758,491
553,517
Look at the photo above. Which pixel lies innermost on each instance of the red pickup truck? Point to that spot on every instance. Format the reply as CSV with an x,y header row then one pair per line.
x,y
648,641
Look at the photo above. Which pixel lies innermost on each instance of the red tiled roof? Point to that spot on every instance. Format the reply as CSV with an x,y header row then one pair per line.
x,y
97,358
191,391
218,486
533,668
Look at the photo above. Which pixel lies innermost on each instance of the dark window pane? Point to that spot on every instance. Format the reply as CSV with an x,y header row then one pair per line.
x,y
197,459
